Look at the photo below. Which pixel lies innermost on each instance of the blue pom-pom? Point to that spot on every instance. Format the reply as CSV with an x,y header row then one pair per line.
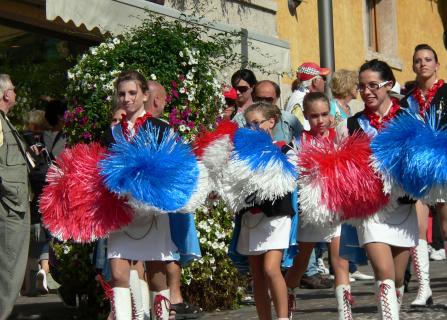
x,y
413,151
255,147
158,174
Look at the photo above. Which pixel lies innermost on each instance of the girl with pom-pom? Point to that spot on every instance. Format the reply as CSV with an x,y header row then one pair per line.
x,y
317,112
148,237
387,240
265,230
429,91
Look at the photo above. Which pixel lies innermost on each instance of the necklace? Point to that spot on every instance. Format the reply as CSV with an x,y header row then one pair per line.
x,y
425,100
376,121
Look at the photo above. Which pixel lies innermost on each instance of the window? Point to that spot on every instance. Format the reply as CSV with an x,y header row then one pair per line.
x,y
371,25
380,31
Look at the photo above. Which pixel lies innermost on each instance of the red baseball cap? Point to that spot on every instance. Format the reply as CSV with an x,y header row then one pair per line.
x,y
309,70
230,94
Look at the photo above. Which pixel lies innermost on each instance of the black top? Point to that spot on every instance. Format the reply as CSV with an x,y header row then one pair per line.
x,y
439,102
107,139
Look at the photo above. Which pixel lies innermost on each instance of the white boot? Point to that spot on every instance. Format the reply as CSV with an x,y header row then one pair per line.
x,y
291,297
121,304
388,306
145,298
344,302
135,290
419,254
400,296
161,304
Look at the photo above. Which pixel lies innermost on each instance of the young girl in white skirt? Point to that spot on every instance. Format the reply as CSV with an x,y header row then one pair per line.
x,y
387,242
263,238
148,237
317,112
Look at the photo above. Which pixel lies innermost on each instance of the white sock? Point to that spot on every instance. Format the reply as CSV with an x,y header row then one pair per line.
x,y
145,297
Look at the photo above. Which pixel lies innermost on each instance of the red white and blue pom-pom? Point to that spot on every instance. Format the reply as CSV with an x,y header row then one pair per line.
x,y
412,152
336,182
257,171
75,204
213,148
157,175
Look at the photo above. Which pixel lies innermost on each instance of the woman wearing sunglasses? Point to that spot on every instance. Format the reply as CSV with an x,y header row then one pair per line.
x,y
388,240
428,92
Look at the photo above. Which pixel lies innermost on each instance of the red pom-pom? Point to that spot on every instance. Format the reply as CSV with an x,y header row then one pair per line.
x,y
205,138
349,186
75,204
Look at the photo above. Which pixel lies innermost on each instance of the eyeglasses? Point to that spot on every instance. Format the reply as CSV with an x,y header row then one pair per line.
x,y
263,99
254,124
372,86
242,89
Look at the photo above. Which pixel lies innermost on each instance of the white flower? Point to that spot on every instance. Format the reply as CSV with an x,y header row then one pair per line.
x,y
202,240
121,64
215,245
103,45
182,127
66,249
70,75
210,221
153,77
184,64
111,46
189,75
180,54
212,260
103,62
94,51
116,41
182,90
205,210
109,98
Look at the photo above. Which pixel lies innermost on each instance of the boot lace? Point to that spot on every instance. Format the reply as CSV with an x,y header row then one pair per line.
x,y
291,304
159,300
348,301
383,296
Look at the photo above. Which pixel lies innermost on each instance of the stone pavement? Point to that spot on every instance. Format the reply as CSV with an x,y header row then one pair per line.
x,y
311,304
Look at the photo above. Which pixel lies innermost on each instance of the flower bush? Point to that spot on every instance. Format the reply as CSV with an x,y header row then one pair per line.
x,y
213,282
183,56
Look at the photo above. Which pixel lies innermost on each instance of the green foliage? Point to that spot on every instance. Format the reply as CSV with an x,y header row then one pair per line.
x,y
183,56
213,282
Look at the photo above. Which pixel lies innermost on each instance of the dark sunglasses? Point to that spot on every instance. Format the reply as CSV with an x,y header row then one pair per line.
x,y
263,99
242,89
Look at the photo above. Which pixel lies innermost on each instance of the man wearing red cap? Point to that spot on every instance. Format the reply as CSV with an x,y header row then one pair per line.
x,y
311,78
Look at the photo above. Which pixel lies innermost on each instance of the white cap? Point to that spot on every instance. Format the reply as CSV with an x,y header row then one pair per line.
x,y
395,91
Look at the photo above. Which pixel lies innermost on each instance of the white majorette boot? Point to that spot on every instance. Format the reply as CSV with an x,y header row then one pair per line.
x,y
145,299
419,254
388,306
291,299
161,305
400,296
121,303
135,290
344,302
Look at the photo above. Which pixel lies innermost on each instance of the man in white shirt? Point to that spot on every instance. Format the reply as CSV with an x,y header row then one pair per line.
x,y
312,79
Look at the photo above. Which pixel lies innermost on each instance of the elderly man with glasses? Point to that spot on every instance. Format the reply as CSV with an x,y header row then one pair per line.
x,y
288,126
14,203
311,78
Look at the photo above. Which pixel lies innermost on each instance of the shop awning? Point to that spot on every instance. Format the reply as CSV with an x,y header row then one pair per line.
x,y
115,15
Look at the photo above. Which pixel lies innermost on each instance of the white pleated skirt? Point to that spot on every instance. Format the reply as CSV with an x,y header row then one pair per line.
x,y
400,228
316,233
147,238
260,233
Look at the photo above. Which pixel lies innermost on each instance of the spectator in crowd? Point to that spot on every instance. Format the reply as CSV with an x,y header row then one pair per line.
x,y
312,79
14,202
230,103
287,127
243,81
